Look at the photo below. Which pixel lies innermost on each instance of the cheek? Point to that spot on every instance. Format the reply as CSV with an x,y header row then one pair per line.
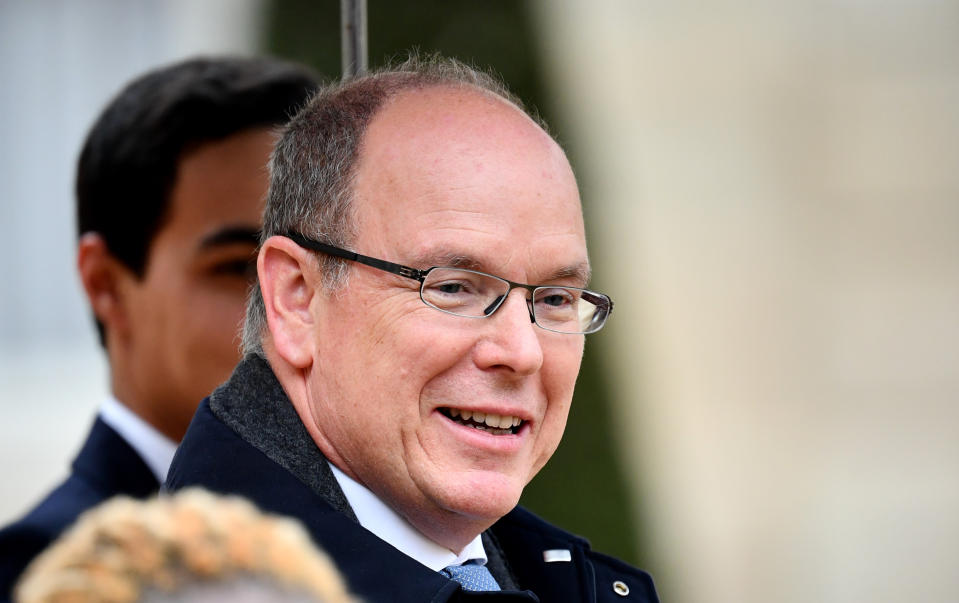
x,y
204,338
561,367
559,378
398,351
153,316
213,318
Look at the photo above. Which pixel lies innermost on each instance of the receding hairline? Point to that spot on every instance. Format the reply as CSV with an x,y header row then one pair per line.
x,y
466,89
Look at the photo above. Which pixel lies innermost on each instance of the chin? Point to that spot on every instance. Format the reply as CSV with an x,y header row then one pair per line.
x,y
485,497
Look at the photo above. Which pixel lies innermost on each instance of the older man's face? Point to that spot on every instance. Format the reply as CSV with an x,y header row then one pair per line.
x,y
450,176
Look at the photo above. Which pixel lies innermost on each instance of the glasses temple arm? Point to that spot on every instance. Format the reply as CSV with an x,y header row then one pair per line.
x,y
302,241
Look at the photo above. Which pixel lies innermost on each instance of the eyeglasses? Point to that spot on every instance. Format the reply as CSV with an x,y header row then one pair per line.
x,y
473,294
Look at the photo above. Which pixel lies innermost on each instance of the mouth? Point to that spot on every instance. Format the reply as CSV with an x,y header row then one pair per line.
x,y
488,422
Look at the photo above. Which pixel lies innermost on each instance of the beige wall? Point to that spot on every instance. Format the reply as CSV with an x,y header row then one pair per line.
x,y
774,199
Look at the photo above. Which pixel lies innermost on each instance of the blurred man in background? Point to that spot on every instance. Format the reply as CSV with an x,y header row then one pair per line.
x,y
170,188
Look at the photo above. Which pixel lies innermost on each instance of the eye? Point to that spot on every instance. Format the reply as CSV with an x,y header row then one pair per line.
x,y
454,283
458,291
242,268
453,287
450,288
555,298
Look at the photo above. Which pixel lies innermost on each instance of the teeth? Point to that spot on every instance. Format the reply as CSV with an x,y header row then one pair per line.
x,y
490,421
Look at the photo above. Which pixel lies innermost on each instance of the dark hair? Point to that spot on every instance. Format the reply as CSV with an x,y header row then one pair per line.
x,y
129,161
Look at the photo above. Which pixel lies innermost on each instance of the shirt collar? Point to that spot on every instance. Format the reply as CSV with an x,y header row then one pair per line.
x,y
377,517
154,448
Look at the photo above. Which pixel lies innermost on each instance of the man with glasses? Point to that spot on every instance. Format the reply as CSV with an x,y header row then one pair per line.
x,y
413,344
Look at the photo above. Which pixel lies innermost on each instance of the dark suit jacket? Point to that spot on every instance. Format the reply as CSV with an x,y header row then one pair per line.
x,y
106,466
246,439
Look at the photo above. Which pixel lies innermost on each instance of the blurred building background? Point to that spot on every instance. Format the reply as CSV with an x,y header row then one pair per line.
x,y
772,191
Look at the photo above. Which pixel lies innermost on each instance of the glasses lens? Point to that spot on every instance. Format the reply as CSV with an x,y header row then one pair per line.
x,y
570,310
475,294
463,292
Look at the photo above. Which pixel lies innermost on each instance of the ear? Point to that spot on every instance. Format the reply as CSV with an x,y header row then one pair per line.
x,y
101,273
288,282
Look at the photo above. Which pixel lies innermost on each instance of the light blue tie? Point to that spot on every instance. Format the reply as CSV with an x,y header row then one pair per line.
x,y
472,576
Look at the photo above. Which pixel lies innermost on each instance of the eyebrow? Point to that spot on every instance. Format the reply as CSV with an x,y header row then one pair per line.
x,y
231,235
580,272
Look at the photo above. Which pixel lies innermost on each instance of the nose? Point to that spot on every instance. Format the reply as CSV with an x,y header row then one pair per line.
x,y
512,340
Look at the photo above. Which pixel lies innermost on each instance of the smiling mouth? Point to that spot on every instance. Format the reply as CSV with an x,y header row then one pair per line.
x,y
490,423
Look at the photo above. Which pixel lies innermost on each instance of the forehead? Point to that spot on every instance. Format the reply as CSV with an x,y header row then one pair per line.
x,y
457,171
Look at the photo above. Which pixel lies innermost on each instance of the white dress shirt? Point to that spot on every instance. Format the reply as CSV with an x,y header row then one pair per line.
x,y
383,521
154,448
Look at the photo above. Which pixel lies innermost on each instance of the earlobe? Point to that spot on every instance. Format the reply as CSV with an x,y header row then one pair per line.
x,y
99,273
288,283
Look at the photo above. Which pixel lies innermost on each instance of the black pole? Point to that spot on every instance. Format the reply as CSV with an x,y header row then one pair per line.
x,y
353,43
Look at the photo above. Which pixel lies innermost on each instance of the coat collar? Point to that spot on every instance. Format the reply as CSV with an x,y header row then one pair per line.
x,y
254,405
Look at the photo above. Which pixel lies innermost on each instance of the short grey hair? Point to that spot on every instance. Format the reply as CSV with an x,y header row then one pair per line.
x,y
313,165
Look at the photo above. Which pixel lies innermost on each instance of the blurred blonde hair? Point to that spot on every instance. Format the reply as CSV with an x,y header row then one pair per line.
x,y
123,549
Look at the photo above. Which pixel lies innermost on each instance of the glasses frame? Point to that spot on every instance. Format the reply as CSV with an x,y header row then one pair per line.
x,y
420,277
